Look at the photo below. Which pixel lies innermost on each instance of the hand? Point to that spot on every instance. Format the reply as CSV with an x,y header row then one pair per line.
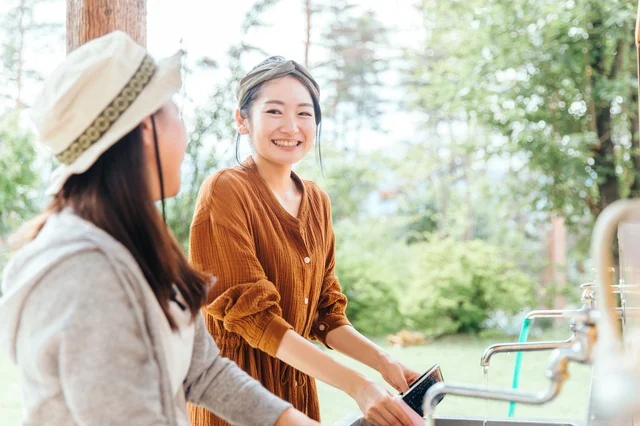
x,y
378,407
293,417
396,374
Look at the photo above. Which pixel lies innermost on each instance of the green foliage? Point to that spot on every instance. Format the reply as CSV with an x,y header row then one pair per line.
x,y
436,286
558,79
18,180
348,177
373,269
458,285
212,129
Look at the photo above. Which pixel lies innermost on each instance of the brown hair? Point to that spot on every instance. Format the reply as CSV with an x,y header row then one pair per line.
x,y
114,195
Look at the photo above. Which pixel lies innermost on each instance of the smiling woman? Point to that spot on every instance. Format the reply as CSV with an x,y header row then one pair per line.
x,y
266,234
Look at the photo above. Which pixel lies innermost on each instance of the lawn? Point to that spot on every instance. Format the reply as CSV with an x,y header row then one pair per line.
x,y
459,359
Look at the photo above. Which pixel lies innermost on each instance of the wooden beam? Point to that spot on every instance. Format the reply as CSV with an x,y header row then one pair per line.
x,y
89,19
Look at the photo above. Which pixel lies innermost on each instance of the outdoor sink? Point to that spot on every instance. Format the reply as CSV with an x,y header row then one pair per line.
x,y
355,419
476,421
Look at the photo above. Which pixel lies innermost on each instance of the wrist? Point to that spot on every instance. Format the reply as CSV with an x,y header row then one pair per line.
x,y
356,385
381,359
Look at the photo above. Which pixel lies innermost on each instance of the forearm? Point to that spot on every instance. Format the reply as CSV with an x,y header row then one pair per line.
x,y
304,356
349,341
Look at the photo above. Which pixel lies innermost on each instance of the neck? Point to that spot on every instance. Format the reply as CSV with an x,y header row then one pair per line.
x,y
277,176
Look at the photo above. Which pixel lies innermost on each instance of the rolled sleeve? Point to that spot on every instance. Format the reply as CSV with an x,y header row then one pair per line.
x,y
331,311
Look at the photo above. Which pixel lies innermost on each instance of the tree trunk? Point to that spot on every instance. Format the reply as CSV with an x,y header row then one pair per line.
x,y
444,197
20,49
634,130
468,231
605,161
635,154
89,19
307,42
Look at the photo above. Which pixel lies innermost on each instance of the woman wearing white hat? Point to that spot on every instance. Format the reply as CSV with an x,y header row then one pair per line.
x,y
100,309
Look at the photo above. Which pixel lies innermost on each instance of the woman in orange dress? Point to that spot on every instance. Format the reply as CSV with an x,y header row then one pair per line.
x,y
266,234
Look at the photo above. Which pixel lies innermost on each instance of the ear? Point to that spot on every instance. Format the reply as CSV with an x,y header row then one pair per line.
x,y
147,132
243,127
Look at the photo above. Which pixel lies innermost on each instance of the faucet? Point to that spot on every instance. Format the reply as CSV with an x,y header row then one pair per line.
x,y
609,350
588,300
616,393
579,350
523,347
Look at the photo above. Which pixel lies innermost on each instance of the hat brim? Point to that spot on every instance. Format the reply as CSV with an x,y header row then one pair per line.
x,y
165,83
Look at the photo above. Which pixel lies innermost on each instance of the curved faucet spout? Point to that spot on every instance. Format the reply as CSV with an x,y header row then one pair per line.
x,y
485,360
443,388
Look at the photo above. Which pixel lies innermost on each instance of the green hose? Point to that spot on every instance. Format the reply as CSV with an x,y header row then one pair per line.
x,y
524,335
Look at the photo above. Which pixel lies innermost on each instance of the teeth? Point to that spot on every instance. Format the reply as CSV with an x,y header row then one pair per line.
x,y
285,143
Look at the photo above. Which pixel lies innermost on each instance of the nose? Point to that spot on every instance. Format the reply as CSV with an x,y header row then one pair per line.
x,y
289,126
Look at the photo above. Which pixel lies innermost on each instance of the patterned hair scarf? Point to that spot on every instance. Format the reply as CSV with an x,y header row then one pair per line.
x,y
272,68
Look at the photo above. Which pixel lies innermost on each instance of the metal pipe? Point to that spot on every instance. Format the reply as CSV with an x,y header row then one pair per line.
x,y
548,313
444,388
522,347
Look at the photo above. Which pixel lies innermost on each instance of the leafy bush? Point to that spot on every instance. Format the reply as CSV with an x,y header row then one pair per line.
x,y
458,285
371,267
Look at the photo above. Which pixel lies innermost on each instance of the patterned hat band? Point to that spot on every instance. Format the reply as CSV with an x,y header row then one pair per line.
x,y
111,113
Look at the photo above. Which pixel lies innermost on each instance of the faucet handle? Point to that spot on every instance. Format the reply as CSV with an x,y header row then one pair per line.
x,y
583,316
588,294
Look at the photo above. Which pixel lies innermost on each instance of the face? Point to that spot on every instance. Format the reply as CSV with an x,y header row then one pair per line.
x,y
282,124
172,143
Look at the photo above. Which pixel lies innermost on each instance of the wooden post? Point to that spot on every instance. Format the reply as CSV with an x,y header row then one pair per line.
x,y
307,42
559,257
89,19
20,55
555,273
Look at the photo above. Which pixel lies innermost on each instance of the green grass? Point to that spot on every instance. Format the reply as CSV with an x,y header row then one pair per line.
x,y
459,359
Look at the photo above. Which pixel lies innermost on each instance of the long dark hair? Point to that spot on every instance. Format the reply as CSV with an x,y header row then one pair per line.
x,y
114,195
246,104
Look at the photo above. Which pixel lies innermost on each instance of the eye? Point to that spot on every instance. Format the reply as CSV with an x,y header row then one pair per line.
x,y
273,111
306,114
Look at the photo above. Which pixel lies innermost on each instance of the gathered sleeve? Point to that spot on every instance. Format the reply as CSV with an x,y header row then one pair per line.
x,y
221,244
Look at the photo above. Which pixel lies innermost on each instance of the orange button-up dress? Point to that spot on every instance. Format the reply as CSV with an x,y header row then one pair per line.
x,y
274,272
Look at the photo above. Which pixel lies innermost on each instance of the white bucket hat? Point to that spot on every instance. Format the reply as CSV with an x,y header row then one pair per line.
x,y
99,93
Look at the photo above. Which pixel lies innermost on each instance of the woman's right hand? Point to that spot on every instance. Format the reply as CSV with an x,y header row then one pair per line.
x,y
378,406
293,417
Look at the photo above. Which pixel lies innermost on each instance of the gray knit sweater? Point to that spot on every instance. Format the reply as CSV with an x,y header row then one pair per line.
x,y
75,319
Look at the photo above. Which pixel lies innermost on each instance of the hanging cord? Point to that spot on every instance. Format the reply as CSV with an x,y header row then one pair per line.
x,y
155,143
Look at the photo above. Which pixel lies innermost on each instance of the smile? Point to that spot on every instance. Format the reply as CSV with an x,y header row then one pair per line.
x,y
286,143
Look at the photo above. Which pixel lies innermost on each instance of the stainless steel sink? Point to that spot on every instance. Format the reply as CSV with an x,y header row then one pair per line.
x,y
471,421
355,419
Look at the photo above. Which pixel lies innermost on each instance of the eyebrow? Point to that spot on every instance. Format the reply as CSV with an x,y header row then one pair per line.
x,y
282,103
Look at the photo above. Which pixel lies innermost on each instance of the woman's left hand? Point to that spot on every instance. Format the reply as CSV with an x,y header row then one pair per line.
x,y
396,374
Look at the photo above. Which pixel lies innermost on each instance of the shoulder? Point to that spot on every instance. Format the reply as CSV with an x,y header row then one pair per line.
x,y
318,198
316,194
85,282
226,184
223,192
